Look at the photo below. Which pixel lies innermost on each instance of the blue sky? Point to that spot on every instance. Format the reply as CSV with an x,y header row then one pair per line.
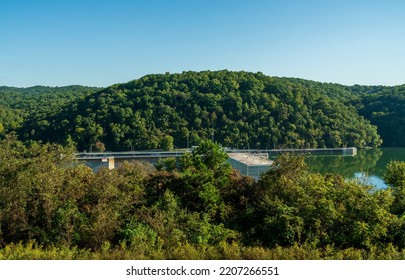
x,y
100,42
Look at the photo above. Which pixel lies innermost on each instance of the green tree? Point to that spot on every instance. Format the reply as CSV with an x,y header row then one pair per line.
x,y
204,172
167,143
395,178
296,206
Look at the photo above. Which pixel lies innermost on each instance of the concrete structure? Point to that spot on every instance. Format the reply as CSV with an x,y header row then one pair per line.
x,y
96,163
250,164
351,151
112,160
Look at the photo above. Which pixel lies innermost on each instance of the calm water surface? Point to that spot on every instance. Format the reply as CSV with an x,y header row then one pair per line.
x,y
368,165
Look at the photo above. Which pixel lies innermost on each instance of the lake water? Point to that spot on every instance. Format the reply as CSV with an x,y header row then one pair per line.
x,y
368,166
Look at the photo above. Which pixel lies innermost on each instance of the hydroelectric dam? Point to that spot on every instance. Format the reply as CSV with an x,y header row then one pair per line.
x,y
251,162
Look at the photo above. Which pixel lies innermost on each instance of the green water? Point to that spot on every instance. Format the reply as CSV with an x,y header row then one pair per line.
x,y
368,165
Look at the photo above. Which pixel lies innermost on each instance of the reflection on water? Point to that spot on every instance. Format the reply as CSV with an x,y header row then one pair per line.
x,y
368,166
370,180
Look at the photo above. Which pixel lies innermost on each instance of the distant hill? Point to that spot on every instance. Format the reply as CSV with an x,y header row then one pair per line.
x,y
386,110
18,104
38,98
383,106
237,109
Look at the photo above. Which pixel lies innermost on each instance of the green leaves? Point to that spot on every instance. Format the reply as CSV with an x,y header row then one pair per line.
x,y
195,208
237,109
300,207
386,109
395,178
395,175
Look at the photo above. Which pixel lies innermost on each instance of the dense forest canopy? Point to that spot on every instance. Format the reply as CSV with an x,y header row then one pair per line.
x,y
236,109
19,104
38,97
386,110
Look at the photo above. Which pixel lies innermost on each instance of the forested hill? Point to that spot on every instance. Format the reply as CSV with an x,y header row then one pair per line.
x,y
386,109
18,104
237,109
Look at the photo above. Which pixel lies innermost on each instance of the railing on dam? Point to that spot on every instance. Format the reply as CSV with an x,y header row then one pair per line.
x,y
131,155
351,151
113,159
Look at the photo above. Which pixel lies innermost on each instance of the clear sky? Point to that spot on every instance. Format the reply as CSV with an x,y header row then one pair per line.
x,y
103,42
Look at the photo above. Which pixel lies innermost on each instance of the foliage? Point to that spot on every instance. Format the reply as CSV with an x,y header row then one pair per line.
x,y
237,109
22,104
395,175
395,178
386,110
53,208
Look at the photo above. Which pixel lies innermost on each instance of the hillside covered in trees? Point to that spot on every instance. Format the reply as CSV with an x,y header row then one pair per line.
x,y
386,110
236,109
39,102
